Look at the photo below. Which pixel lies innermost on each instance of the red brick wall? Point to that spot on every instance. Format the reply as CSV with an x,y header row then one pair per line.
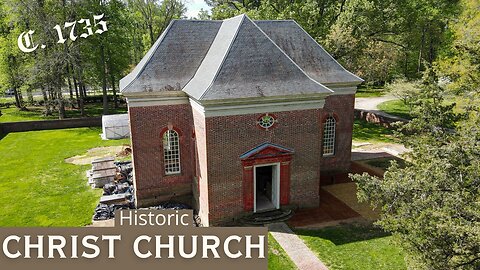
x,y
146,125
219,143
230,136
341,107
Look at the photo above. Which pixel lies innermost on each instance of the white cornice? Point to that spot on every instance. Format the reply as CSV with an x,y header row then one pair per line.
x,y
253,108
343,90
237,106
158,101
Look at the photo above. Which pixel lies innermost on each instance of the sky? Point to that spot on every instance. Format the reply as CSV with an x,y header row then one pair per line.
x,y
194,6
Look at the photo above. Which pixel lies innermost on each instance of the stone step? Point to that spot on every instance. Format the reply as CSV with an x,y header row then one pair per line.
x,y
267,217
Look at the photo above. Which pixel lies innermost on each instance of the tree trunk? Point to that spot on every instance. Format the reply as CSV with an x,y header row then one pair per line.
x,y
60,101
69,82
61,108
75,85
104,80
46,102
18,102
30,95
419,66
80,84
114,90
150,30
405,72
432,50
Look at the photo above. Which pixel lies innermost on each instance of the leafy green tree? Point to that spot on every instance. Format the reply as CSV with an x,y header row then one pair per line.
x,y
11,59
461,63
407,91
154,15
432,205
377,39
204,15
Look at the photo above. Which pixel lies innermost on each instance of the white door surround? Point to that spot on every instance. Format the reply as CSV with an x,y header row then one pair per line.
x,y
275,185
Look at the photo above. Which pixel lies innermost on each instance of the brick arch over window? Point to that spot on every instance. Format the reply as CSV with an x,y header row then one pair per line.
x,y
329,135
171,145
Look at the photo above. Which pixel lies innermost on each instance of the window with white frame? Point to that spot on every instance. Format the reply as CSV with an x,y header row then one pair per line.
x,y
171,152
329,136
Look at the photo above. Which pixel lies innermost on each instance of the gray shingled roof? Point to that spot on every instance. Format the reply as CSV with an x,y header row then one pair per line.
x,y
173,59
307,53
236,58
244,63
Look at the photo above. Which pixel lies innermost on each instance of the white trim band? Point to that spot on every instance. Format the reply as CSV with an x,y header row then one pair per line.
x,y
156,101
212,111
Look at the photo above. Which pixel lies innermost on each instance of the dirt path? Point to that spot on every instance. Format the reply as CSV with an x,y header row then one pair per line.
x,y
371,103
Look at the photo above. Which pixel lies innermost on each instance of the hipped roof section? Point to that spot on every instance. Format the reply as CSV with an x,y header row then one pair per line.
x,y
234,59
173,59
307,53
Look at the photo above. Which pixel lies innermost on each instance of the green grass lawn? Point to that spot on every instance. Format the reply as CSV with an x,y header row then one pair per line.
x,y
368,132
395,107
398,108
7,99
370,92
354,247
13,114
37,187
277,257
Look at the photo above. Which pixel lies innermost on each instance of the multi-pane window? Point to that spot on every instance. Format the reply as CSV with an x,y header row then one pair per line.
x,y
171,152
329,136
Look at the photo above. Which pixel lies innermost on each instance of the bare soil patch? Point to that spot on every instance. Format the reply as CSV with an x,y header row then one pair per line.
x,y
121,151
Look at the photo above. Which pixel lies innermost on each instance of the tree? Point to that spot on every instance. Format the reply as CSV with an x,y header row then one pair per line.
x,y
403,36
407,91
461,63
377,39
204,15
432,205
155,15
11,59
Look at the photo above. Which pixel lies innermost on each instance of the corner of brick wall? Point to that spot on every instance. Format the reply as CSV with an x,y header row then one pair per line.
x,y
146,125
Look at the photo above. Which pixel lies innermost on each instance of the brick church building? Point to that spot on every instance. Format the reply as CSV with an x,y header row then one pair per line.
x,y
237,116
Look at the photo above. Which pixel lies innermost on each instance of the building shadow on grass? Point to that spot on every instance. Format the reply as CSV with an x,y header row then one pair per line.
x,y
345,233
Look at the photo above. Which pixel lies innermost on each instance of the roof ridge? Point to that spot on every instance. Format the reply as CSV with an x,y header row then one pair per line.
x,y
209,47
227,51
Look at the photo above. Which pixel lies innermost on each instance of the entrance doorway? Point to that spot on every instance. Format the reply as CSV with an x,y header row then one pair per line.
x,y
267,187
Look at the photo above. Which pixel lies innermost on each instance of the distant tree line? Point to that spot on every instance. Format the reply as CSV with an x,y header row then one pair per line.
x,y
379,40
98,61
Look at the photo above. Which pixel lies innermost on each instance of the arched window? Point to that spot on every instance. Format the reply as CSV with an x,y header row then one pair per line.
x,y
329,136
171,152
